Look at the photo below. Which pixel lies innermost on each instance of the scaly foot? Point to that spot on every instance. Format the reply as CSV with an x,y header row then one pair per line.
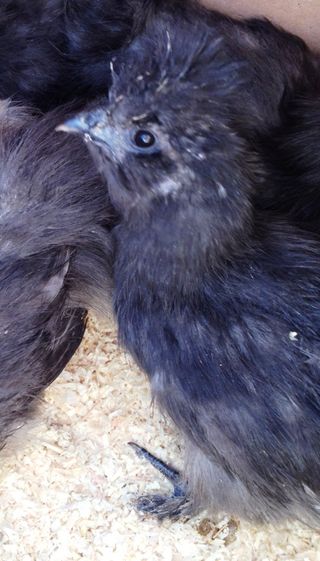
x,y
163,506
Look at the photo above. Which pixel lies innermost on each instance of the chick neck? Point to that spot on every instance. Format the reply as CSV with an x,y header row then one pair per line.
x,y
172,245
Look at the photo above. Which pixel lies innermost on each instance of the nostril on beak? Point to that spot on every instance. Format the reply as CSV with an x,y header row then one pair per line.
x,y
92,120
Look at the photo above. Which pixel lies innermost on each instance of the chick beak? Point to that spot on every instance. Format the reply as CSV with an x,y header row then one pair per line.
x,y
93,125
77,124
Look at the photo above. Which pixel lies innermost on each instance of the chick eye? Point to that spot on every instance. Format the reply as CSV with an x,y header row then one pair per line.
x,y
144,139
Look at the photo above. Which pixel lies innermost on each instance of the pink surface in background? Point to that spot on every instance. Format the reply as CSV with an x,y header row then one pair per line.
x,y
299,16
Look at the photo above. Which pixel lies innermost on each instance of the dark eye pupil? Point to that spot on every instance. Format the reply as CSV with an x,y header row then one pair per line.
x,y
144,139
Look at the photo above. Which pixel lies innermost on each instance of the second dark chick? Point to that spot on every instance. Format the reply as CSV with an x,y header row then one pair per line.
x,y
218,302
55,255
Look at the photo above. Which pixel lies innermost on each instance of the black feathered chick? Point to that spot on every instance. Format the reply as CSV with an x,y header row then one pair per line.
x,y
218,302
55,254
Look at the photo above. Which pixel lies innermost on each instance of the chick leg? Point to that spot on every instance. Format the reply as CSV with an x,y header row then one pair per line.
x,y
163,506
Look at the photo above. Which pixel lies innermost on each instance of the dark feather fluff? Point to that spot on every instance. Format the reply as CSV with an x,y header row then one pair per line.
x,y
54,51
55,254
293,158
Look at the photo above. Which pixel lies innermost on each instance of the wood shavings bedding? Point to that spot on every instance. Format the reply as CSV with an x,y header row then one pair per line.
x,y
68,478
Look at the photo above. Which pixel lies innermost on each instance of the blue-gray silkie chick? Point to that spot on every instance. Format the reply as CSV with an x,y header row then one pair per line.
x,y
218,302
